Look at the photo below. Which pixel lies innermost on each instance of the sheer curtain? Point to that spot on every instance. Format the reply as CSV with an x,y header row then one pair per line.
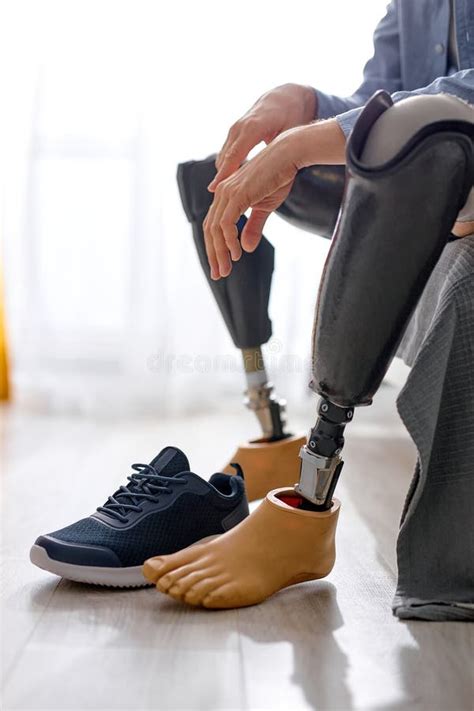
x,y
108,310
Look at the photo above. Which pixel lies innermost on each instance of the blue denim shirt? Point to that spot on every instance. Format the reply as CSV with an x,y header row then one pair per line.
x,y
411,57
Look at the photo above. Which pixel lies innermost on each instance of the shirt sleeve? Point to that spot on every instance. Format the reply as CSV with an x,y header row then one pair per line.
x,y
382,71
460,84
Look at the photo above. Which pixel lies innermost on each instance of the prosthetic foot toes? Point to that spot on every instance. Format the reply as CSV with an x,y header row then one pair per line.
x,y
278,545
268,465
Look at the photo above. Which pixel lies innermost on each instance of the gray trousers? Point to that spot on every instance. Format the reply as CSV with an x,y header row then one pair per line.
x,y
436,405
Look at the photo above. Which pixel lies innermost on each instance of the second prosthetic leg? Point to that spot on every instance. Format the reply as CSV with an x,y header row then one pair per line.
x,y
242,298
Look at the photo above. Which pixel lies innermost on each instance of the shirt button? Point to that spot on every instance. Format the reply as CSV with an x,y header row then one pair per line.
x,y
439,48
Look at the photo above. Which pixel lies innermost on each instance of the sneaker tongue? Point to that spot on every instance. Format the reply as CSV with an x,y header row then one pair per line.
x,y
170,461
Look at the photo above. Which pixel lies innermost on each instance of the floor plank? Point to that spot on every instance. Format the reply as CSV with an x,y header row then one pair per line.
x,y
332,644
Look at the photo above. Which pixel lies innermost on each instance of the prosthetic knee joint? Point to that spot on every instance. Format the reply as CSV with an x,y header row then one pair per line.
x,y
396,218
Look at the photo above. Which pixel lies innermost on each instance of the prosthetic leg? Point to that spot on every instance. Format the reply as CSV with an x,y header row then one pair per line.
x,y
271,460
395,221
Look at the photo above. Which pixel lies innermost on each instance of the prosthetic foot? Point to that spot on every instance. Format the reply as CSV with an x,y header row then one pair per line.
x,y
279,545
271,461
268,465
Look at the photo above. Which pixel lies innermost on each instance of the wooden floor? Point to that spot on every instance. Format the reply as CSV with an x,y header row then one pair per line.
x,y
332,644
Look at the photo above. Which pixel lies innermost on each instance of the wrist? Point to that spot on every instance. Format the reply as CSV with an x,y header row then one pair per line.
x,y
310,103
301,99
322,143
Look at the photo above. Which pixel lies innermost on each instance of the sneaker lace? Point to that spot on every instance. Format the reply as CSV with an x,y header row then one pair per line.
x,y
145,484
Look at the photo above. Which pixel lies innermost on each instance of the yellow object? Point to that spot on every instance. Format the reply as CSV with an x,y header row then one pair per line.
x,y
4,379
268,465
276,546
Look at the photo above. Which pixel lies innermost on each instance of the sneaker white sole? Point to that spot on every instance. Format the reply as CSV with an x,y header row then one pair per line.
x,y
131,577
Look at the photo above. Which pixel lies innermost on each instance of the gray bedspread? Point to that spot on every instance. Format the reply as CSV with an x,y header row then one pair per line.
x,y
435,547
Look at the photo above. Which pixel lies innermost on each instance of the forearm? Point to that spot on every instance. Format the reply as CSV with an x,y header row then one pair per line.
x,y
319,143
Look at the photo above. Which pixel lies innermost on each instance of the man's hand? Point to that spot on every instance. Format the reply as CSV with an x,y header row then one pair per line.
x,y
463,229
276,111
263,184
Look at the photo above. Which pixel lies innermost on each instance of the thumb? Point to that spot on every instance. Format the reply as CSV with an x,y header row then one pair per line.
x,y
252,232
232,159
228,168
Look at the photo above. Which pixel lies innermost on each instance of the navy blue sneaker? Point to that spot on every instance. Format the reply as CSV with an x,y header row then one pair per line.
x,y
164,508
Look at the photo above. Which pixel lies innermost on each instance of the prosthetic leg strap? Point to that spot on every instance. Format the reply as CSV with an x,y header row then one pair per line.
x,y
393,226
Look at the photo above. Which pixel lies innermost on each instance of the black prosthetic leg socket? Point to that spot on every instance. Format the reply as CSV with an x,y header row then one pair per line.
x,y
243,296
393,226
315,199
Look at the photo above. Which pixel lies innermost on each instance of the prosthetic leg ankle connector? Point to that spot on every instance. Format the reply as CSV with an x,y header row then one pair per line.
x,y
321,464
270,411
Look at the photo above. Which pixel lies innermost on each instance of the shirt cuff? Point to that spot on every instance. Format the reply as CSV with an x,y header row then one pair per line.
x,y
324,105
347,120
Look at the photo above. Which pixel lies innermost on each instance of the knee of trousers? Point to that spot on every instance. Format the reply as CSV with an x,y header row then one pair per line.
x,y
243,296
397,126
400,203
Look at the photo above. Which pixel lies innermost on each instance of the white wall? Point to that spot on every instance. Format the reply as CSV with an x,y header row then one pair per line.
x,y
101,101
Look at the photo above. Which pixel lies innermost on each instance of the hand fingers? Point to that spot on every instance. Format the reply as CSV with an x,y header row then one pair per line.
x,y
236,132
225,215
252,232
231,162
231,136
232,156
210,251
221,250
227,218
216,248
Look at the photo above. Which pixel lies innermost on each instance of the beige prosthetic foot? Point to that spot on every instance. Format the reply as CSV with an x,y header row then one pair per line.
x,y
268,465
276,546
